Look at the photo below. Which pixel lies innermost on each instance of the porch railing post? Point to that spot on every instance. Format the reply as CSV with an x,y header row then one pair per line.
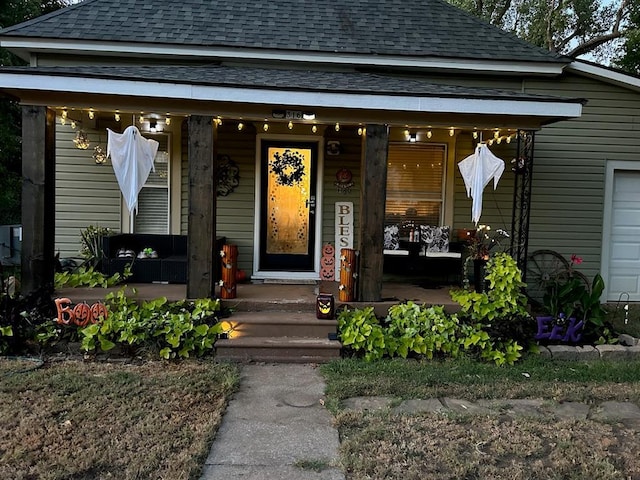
x,y
521,209
38,197
202,208
373,195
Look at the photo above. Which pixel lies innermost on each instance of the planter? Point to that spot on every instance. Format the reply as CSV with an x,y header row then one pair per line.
x,y
479,274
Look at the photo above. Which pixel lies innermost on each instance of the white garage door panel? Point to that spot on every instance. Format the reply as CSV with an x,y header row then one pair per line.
x,y
625,252
624,243
624,284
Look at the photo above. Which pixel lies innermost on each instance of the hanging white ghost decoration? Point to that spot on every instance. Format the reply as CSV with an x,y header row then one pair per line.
x,y
132,158
477,171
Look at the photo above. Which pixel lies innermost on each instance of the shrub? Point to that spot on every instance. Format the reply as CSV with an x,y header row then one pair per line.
x,y
178,329
89,277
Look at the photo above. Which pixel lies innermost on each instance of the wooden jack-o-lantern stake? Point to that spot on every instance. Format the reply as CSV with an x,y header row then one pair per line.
x,y
229,256
348,275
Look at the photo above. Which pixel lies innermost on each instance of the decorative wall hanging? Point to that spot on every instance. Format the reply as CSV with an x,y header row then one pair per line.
x,y
228,176
99,155
81,140
288,168
333,147
344,181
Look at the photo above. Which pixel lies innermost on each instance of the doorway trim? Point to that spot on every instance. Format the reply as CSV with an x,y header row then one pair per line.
x,y
286,275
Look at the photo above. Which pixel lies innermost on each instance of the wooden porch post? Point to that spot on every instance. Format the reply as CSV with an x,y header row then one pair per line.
x,y
372,203
202,208
38,197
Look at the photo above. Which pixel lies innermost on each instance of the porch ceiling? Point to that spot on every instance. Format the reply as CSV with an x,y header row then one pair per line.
x,y
234,89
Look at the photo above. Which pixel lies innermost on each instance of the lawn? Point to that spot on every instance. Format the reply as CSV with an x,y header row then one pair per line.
x,y
80,420
377,445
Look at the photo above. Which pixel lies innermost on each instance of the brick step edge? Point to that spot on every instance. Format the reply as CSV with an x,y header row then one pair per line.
x,y
278,318
278,342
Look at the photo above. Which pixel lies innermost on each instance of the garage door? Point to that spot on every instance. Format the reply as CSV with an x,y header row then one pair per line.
x,y
624,244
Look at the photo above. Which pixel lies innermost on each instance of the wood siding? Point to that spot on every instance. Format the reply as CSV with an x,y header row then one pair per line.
x,y
86,193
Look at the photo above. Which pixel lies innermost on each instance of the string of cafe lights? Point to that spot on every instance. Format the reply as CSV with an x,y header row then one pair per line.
x,y
154,122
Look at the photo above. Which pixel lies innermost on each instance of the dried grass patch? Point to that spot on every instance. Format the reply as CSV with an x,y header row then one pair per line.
x,y
437,447
75,420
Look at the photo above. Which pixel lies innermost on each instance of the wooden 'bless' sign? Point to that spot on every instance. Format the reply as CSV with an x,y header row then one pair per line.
x,y
82,314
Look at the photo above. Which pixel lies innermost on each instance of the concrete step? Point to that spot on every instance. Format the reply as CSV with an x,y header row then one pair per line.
x,y
278,324
278,349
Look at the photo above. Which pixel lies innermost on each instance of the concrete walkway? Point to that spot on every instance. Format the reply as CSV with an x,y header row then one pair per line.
x,y
275,428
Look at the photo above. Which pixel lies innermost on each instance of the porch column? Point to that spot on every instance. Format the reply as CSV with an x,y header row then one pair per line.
x,y
202,208
373,194
522,200
38,197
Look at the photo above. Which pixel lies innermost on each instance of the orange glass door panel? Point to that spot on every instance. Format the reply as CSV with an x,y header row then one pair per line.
x,y
288,205
288,200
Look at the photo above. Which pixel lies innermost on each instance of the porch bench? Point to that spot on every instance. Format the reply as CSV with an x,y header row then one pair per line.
x,y
171,266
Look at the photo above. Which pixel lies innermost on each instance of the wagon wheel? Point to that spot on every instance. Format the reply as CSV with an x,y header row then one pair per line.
x,y
544,267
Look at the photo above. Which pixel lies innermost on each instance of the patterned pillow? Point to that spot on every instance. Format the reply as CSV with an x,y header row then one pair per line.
x,y
440,240
391,237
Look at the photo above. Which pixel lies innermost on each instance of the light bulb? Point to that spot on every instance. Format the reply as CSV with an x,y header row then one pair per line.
x,y
509,139
475,135
140,119
64,114
73,124
452,132
290,125
240,126
360,131
496,134
337,127
429,134
265,127
91,114
167,120
117,117
314,129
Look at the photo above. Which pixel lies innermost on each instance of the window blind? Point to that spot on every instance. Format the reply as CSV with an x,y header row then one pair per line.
x,y
153,200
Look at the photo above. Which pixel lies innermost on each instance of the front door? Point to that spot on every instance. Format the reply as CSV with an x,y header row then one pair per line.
x,y
288,206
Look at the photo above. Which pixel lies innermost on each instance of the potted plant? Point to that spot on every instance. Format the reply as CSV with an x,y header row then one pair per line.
x,y
572,307
480,243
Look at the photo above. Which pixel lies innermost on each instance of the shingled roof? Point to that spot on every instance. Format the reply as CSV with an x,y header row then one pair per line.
x,y
286,79
422,28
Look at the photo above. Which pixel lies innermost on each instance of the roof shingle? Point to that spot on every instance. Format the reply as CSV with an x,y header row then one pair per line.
x,y
423,28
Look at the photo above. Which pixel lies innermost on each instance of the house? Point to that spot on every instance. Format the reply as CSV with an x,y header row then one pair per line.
x,y
329,122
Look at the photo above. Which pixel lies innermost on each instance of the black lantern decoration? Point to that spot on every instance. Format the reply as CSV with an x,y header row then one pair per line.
x,y
325,306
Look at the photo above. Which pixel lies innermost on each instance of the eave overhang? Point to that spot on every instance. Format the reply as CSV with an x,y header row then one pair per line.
x,y
354,91
29,48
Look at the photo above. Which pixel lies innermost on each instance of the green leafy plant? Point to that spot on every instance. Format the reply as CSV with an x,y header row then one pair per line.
x,y
91,243
413,328
89,277
498,317
178,329
360,330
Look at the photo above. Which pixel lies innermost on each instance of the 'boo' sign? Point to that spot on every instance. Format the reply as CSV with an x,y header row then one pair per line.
x,y
82,314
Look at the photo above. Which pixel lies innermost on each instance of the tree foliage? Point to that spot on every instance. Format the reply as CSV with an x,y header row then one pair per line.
x,y
11,13
600,29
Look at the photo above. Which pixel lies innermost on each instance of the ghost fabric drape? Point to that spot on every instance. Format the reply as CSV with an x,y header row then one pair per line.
x,y
132,158
477,171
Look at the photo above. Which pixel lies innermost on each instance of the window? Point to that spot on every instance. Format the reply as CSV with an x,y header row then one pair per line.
x,y
415,176
153,200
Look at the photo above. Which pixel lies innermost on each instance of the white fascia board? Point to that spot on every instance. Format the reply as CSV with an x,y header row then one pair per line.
x,y
408,103
186,52
594,71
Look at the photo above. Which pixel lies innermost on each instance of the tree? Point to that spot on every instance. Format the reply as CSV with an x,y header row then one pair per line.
x,y
11,13
597,28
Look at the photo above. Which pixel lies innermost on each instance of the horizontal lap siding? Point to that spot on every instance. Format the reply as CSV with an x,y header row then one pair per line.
x,y
569,166
86,193
349,158
235,212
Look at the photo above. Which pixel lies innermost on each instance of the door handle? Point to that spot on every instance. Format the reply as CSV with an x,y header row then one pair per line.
x,y
310,203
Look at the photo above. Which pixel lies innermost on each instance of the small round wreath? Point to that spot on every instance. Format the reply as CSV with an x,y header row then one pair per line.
x,y
288,168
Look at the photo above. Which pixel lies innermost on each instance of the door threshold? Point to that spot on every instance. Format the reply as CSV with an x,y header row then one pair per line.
x,y
289,281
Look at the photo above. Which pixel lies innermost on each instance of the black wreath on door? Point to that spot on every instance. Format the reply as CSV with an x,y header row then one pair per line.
x,y
228,175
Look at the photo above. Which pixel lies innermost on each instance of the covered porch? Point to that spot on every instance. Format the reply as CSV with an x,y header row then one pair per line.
x,y
211,102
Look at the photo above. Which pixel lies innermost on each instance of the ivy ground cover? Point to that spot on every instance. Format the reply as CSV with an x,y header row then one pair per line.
x,y
79,420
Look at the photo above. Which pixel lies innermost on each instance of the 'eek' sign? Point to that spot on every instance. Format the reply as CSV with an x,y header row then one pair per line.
x,y
82,314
